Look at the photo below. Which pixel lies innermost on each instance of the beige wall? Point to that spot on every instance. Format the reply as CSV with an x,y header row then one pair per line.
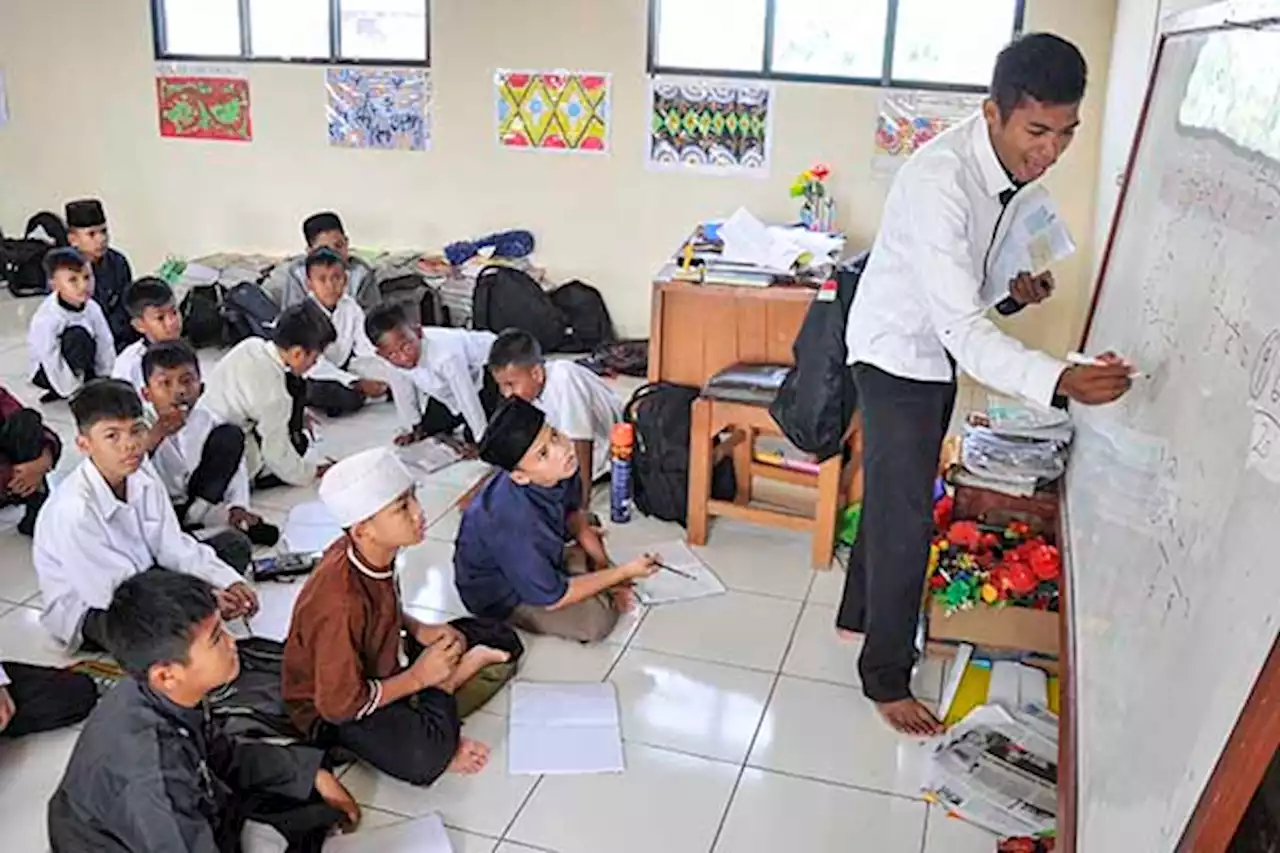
x,y
80,76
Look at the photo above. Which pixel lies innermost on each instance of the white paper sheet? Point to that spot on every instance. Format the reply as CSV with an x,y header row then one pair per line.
x,y
275,610
427,457
564,728
310,527
667,587
749,240
1036,239
420,835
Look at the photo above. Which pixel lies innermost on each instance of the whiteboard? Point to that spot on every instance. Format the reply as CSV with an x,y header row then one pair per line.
x,y
1173,494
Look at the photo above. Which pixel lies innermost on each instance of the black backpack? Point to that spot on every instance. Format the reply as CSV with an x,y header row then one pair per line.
x,y
507,298
817,400
22,260
662,414
248,312
202,321
589,322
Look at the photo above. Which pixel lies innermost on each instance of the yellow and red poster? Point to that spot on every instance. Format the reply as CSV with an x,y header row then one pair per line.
x,y
553,110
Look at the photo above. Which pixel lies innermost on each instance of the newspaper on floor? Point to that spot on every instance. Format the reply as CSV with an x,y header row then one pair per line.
x,y
999,769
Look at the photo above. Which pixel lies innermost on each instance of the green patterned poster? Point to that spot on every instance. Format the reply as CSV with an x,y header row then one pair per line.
x,y
204,108
721,127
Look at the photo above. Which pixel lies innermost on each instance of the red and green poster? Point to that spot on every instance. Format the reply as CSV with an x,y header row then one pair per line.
x,y
204,108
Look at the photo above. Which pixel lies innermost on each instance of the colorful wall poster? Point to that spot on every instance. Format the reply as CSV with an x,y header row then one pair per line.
x,y
908,119
553,110
203,107
383,108
714,126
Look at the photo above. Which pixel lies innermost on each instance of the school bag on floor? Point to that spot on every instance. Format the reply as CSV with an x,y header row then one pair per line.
x,y
248,312
202,320
589,322
662,415
507,298
22,259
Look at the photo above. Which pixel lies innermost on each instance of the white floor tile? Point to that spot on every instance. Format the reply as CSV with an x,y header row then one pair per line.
x,y
689,705
427,578
830,732
466,842
23,638
483,804
763,560
950,835
828,587
736,628
771,812
18,582
30,770
445,528
664,801
555,659
512,847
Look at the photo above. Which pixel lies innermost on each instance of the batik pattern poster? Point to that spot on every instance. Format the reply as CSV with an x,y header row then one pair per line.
x,y
204,107
711,126
381,108
908,120
564,111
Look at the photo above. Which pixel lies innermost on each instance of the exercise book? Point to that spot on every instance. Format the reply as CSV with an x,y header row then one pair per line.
x,y
419,835
685,579
559,729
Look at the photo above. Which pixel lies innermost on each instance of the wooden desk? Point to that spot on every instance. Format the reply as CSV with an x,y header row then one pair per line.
x,y
697,330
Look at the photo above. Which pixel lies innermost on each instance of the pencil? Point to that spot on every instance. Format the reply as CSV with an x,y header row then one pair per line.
x,y
676,571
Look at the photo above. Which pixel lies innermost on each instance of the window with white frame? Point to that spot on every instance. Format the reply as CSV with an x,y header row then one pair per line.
x,y
328,31
927,44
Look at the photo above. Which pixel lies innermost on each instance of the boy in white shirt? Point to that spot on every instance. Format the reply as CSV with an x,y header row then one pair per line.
x,y
258,386
111,519
349,373
451,385
68,340
200,461
577,403
154,315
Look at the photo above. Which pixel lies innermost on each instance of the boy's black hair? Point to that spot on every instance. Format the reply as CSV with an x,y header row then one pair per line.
x,y
320,223
323,257
383,320
515,348
152,617
167,355
1041,66
104,400
63,258
148,292
304,325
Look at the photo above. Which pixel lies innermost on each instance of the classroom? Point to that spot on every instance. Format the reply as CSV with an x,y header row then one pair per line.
x,y
602,426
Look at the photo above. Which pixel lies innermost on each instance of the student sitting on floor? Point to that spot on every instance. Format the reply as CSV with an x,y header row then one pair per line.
x,y
361,673
68,340
153,770
87,232
28,452
510,559
155,317
200,460
287,284
258,387
350,371
41,698
577,403
111,519
451,386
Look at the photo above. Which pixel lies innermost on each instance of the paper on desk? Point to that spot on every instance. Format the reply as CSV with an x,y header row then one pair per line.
x,y
564,728
310,527
1036,239
419,835
666,587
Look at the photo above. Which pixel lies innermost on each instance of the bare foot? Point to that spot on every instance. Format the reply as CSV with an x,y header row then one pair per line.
x,y
624,599
475,659
909,717
846,634
470,758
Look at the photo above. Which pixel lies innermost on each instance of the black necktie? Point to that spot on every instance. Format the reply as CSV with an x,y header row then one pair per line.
x,y
1006,196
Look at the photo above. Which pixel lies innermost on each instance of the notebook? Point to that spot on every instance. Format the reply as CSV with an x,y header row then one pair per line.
x,y
559,729
668,587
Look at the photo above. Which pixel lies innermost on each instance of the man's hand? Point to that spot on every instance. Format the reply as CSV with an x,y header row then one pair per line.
x,y
436,664
236,601
429,635
26,477
641,567
405,439
1096,384
7,708
338,797
371,389
241,519
1028,289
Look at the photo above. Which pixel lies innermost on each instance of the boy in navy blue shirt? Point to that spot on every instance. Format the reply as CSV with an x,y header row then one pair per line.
x,y
511,559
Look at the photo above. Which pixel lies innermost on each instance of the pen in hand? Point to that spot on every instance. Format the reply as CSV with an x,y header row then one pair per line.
x,y
675,571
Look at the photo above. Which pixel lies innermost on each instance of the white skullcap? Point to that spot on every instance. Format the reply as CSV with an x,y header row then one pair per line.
x,y
359,486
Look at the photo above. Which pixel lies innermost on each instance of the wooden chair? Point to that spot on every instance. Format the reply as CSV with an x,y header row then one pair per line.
x,y
744,421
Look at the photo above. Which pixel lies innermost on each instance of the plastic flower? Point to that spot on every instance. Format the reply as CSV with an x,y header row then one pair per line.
x,y
820,171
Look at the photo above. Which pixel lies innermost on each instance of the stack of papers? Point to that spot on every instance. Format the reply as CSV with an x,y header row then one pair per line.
x,y
686,578
1014,448
773,248
564,728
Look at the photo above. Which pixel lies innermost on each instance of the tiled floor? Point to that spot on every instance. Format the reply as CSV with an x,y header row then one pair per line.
x,y
744,727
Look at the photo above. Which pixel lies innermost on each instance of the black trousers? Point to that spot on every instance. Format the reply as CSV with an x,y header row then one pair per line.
x,y
415,739
333,398
904,422
22,440
438,420
219,459
79,351
47,698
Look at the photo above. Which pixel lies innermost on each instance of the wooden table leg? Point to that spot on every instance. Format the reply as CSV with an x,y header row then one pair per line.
x,y
700,439
824,519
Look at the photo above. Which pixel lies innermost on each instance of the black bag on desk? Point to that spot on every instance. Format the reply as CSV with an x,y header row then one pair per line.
x,y
816,402
662,416
589,322
507,298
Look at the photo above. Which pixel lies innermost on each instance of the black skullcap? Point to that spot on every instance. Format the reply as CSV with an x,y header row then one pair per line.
x,y
511,432
85,213
316,224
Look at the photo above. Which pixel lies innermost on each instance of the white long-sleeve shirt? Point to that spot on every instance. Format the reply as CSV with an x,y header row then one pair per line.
x,y
580,406
177,457
128,365
925,291
87,542
451,369
350,356
44,342
247,388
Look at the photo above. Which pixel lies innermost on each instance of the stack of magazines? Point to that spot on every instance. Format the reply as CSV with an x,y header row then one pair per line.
x,y
1014,448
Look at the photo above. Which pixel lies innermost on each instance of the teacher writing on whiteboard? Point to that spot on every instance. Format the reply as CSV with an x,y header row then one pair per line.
x,y
920,312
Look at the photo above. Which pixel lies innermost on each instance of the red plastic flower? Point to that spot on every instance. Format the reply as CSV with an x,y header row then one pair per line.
x,y
965,534
942,511
1022,581
820,171
1045,562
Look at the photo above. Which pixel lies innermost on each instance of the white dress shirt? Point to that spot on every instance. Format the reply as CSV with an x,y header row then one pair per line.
x,y
177,457
128,366
580,406
451,369
342,361
247,388
924,294
87,542
44,342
